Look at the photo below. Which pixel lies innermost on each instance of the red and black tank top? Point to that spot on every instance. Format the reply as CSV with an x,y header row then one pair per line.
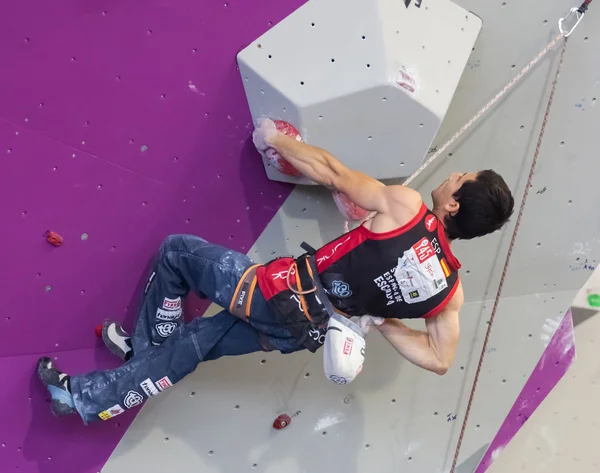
x,y
409,272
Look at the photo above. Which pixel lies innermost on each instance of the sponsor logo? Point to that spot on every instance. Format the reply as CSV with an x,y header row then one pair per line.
x,y
162,314
166,328
111,412
148,387
242,295
338,379
340,289
164,383
150,279
283,274
132,399
431,223
335,248
348,345
297,299
413,294
318,335
172,304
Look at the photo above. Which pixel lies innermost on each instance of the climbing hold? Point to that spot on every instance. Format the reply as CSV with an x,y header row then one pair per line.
x,y
98,331
282,421
275,158
349,209
594,300
54,238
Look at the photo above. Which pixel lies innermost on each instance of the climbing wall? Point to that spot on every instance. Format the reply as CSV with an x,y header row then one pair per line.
x,y
122,123
395,417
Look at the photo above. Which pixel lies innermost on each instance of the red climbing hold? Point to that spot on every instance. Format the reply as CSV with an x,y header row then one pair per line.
x,y
275,158
98,331
282,422
349,209
54,238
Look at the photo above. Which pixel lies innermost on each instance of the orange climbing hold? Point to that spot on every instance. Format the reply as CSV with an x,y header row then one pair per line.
x,y
54,238
275,158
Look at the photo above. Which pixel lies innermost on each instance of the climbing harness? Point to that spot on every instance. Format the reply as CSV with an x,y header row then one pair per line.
x,y
302,308
578,13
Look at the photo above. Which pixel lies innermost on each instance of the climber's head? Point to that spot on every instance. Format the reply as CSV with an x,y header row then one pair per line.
x,y
473,204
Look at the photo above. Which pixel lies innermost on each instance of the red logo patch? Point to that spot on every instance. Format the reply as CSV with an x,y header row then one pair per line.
x,y
348,346
431,223
164,383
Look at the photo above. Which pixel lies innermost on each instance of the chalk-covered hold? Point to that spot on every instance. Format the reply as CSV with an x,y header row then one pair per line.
x,y
275,158
349,209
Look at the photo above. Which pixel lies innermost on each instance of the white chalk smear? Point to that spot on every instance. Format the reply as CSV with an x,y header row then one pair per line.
x,y
193,88
328,420
496,453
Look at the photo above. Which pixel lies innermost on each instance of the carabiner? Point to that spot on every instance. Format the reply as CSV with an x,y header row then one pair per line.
x,y
578,14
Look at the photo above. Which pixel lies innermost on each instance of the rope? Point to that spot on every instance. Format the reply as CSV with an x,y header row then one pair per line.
x,y
510,249
485,108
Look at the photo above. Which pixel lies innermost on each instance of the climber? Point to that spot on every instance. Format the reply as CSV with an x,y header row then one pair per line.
x,y
396,265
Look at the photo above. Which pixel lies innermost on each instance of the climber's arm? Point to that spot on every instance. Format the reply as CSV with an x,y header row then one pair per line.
x,y
432,349
323,168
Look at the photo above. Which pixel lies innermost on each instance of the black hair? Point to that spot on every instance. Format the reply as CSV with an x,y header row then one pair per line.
x,y
486,204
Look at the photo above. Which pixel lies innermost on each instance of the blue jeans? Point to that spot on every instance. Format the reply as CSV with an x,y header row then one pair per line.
x,y
165,349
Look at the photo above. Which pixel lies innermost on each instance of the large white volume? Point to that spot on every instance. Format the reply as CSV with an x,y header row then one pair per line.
x,y
368,80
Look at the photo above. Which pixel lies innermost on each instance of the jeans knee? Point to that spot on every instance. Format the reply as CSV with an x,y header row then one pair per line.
x,y
171,243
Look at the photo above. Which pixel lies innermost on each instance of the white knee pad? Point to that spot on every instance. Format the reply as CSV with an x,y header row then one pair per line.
x,y
344,350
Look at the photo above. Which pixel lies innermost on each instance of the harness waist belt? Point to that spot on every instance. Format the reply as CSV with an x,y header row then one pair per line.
x,y
242,297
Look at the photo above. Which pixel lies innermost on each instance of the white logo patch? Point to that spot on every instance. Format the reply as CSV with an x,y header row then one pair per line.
x,y
172,304
166,328
133,399
111,412
162,314
164,383
419,273
148,387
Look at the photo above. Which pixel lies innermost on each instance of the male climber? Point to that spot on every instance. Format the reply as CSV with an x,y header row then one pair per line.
x,y
396,265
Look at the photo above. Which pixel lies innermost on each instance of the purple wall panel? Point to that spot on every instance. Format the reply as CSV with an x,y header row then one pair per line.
x,y
33,440
124,121
554,363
